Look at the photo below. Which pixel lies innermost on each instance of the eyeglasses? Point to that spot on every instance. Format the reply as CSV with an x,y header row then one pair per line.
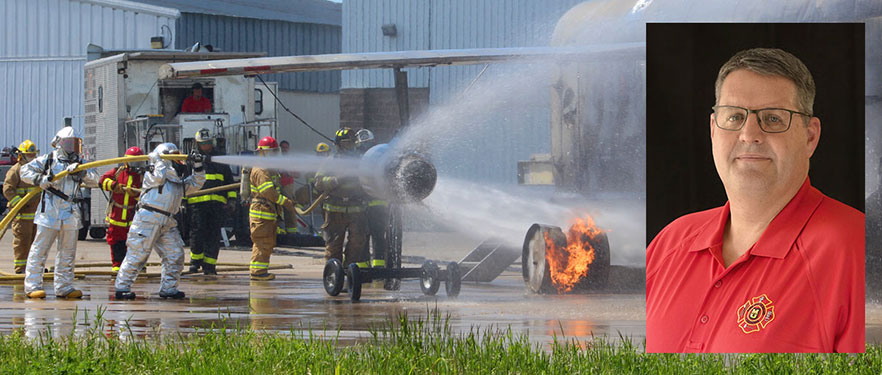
x,y
771,120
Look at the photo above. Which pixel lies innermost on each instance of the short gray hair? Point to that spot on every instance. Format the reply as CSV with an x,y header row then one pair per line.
x,y
776,62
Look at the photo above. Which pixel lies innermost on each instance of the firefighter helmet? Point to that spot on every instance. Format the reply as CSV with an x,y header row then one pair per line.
x,y
345,134
363,136
203,135
322,148
267,143
134,151
27,147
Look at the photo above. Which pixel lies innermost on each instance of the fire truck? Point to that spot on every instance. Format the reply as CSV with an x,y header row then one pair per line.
x,y
126,105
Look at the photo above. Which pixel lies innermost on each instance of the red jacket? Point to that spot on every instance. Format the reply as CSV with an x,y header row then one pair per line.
x,y
193,105
123,209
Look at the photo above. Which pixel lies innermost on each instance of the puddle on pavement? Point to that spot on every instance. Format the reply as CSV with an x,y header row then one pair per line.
x,y
299,306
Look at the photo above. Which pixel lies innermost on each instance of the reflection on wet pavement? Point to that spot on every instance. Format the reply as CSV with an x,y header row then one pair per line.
x,y
298,305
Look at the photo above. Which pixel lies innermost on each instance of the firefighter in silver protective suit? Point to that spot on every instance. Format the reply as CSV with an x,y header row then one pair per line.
x,y
58,216
154,226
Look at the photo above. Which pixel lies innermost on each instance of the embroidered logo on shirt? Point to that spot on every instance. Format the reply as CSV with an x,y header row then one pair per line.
x,y
756,314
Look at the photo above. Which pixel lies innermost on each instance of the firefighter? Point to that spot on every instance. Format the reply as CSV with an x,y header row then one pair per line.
x,y
344,207
14,189
121,182
58,217
208,211
154,226
306,193
377,211
267,201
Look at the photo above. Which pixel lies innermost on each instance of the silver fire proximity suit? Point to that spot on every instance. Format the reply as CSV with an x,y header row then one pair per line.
x,y
57,218
154,226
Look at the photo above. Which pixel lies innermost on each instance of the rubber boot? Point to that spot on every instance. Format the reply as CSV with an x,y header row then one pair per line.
x,y
195,265
124,294
72,294
263,277
209,269
37,294
176,295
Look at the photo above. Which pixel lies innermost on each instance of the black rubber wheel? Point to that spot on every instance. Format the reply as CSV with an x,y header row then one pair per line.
x,y
97,232
333,277
429,282
454,280
355,279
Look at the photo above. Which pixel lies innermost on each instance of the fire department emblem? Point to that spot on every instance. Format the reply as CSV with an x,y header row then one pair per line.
x,y
756,314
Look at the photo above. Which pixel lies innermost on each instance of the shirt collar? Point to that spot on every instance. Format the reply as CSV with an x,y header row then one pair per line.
x,y
779,236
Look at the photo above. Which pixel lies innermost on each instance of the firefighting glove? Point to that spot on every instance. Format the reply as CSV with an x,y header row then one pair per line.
x,y
131,191
70,168
118,188
196,158
44,181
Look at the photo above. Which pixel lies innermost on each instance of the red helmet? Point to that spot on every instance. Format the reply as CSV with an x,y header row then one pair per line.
x,y
134,151
267,143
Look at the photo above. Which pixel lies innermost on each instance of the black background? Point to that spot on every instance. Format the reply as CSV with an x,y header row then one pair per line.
x,y
682,65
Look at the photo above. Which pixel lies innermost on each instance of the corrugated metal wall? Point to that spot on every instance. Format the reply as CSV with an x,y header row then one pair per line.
x,y
42,53
362,22
486,150
277,38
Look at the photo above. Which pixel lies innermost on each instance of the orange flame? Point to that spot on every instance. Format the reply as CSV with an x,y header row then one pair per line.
x,y
569,265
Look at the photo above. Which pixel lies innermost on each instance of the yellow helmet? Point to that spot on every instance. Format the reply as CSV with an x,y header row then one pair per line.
x,y
322,147
27,147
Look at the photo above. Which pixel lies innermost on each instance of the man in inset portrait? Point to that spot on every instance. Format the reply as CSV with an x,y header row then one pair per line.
x,y
779,267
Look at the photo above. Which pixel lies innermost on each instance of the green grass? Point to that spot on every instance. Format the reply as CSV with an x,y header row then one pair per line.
x,y
407,345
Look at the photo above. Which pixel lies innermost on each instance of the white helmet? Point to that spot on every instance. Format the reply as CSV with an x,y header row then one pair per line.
x,y
203,135
69,141
363,136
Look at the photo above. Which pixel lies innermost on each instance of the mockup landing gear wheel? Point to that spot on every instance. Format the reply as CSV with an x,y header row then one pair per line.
x,y
97,232
333,277
355,280
429,281
453,282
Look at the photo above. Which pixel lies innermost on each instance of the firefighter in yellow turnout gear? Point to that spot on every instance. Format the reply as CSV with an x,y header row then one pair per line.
x,y
14,189
344,208
267,204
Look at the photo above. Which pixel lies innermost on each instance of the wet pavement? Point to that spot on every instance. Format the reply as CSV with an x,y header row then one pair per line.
x,y
296,302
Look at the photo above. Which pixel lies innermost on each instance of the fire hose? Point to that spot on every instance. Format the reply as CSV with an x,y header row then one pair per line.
x,y
4,225
309,209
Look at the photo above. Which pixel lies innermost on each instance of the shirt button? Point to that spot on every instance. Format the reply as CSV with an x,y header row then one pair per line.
x,y
704,319
718,284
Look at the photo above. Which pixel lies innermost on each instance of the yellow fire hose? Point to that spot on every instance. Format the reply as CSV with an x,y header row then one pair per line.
x,y
202,192
100,163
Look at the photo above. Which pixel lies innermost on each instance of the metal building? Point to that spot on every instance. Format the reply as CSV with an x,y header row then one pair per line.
x,y
43,50
278,28
484,152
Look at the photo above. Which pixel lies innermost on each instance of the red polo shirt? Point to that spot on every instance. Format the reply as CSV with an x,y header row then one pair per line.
x,y
800,288
193,105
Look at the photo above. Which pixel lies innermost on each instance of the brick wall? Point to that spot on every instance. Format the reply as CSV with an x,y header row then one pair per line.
x,y
377,109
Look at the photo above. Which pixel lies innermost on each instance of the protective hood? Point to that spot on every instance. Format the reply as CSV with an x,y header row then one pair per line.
x,y
68,143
